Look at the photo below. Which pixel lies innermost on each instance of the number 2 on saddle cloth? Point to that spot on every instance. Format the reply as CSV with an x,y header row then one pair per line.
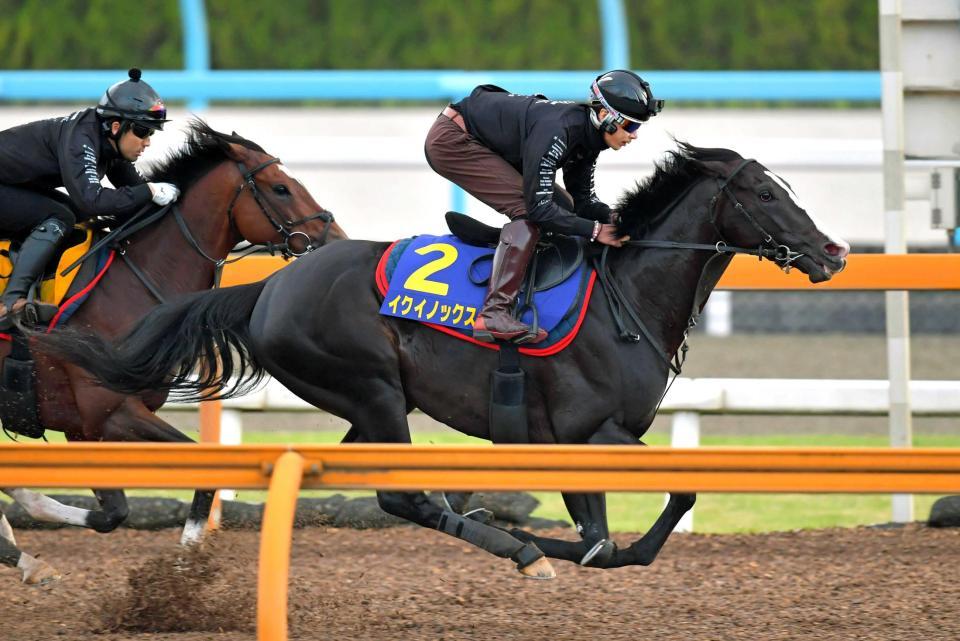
x,y
441,281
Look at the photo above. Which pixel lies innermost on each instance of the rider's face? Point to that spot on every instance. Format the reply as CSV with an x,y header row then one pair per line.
x,y
620,137
130,145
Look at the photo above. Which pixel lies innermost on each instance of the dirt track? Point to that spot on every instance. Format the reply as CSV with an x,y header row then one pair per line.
x,y
406,583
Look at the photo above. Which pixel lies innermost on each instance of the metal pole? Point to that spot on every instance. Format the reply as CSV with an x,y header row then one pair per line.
x,y
614,33
275,543
897,302
196,45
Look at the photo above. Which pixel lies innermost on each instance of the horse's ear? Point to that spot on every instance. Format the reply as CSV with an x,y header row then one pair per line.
x,y
236,152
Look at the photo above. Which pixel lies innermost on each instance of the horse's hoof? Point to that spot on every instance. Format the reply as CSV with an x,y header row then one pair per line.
x,y
539,569
40,573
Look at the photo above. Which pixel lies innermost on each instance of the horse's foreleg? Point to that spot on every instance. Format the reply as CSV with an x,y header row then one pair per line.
x,y
645,550
589,513
416,507
133,421
195,527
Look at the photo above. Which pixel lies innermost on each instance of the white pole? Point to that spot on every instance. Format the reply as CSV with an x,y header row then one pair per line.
x,y
897,302
685,432
719,313
231,433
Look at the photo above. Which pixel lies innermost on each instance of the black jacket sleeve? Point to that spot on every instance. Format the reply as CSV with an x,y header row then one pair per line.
x,y
578,179
124,174
542,153
79,149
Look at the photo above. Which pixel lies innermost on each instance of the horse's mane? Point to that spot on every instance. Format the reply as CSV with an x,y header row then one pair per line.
x,y
672,175
204,149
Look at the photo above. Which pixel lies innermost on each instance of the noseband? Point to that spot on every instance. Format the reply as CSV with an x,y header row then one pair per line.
x,y
282,227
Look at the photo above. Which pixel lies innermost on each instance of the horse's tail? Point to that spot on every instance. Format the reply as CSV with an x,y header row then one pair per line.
x,y
196,348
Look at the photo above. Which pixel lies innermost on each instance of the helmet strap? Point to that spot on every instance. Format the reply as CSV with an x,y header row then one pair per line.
x,y
607,125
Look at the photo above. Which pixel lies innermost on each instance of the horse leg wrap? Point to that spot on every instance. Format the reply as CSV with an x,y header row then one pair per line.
x,y
493,540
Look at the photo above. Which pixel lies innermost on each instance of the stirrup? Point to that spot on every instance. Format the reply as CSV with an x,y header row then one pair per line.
x,y
8,317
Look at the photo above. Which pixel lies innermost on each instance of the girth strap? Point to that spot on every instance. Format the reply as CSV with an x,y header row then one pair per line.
x,y
142,277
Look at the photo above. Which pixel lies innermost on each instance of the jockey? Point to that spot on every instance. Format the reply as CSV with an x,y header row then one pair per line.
x,y
75,152
505,150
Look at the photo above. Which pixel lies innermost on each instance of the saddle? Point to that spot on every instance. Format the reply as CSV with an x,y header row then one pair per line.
x,y
555,259
54,285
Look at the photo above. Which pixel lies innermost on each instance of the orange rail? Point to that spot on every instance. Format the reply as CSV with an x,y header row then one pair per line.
x,y
275,541
405,467
863,272
528,467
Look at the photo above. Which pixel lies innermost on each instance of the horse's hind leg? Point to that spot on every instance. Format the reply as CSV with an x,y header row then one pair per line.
x,y
416,507
6,532
377,412
33,570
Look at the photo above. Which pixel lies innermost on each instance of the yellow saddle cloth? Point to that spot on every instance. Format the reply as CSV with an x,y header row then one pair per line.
x,y
54,287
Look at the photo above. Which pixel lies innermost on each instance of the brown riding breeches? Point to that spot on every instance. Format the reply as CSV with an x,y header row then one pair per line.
x,y
462,159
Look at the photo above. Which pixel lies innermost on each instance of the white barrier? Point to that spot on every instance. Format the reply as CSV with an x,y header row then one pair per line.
x,y
716,396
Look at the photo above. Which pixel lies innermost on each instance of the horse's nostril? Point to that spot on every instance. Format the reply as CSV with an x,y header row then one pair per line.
x,y
833,249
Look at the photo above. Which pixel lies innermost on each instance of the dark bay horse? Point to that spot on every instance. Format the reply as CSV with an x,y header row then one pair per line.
x,y
232,190
315,327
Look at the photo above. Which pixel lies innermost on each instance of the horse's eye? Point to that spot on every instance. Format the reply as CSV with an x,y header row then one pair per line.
x,y
766,196
281,190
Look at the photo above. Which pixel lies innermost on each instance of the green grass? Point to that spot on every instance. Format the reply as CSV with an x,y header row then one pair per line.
x,y
714,512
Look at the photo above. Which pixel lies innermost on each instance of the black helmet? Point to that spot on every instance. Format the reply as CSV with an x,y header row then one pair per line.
x,y
133,100
625,95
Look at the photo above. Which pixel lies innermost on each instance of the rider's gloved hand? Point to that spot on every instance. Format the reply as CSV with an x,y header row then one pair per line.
x,y
164,193
606,234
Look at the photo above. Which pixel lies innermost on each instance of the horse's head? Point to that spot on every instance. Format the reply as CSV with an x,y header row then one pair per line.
x,y
263,202
277,208
753,207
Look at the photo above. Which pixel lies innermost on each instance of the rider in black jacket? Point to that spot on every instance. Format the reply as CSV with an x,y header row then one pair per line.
x,y
505,149
75,152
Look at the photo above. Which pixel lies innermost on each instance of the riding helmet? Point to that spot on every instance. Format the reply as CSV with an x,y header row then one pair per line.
x,y
624,93
133,100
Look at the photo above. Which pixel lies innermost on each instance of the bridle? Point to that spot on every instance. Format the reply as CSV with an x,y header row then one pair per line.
x,y
620,306
781,254
282,227
148,215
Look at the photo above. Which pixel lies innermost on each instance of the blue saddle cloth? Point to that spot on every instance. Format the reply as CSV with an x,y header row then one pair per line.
x,y
441,280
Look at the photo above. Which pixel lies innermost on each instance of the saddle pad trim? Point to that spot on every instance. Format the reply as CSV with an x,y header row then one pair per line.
x,y
81,294
382,286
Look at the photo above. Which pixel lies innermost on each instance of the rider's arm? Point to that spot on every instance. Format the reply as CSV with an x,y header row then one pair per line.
x,y
578,179
542,155
124,174
78,169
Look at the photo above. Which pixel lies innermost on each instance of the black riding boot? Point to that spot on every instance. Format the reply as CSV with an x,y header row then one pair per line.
x,y
35,252
518,240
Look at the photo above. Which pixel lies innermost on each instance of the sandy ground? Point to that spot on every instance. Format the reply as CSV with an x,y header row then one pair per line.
x,y
407,583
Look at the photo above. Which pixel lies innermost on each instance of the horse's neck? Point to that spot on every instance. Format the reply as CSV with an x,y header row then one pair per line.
x,y
662,283
166,257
